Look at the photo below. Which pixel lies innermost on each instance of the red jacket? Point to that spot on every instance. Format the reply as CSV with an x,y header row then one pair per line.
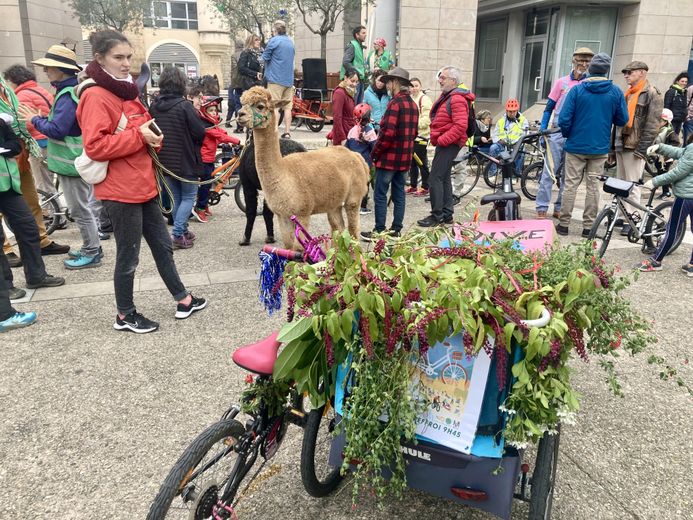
x,y
342,115
32,94
213,137
446,130
130,169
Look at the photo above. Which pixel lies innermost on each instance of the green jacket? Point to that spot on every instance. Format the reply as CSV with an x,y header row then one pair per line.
x,y
63,152
18,127
680,176
9,171
359,62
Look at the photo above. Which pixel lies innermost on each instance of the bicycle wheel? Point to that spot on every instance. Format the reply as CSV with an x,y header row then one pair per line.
x,y
531,178
318,477
315,125
492,179
543,480
191,490
453,373
470,170
51,210
601,230
656,225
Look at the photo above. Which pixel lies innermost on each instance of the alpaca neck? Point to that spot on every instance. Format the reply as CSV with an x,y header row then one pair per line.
x,y
267,154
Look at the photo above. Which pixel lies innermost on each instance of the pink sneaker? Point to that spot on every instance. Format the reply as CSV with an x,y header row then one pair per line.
x,y
421,192
181,242
409,190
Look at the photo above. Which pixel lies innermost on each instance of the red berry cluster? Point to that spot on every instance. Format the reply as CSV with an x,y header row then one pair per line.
x,y
447,252
468,343
364,328
601,274
328,350
501,364
379,246
576,335
380,284
510,312
290,303
278,285
553,357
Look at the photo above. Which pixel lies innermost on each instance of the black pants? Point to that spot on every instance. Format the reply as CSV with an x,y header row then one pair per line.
x,y
420,152
21,220
440,182
6,283
250,194
130,223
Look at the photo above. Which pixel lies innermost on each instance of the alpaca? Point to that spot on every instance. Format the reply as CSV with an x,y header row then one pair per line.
x,y
247,175
317,181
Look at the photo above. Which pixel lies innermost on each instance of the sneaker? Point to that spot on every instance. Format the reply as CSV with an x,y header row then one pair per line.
x,y
83,262
208,212
200,215
196,304
76,253
421,192
189,235
19,320
245,241
429,221
649,265
181,242
619,222
562,230
688,269
365,211
54,249
104,236
625,230
448,220
409,190
367,235
541,215
135,322
16,293
14,260
48,281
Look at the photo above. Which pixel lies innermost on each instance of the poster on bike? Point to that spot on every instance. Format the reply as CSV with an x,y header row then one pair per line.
x,y
453,383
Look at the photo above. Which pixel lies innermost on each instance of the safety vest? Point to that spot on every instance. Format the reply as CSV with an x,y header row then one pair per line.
x,y
359,63
513,133
63,152
9,175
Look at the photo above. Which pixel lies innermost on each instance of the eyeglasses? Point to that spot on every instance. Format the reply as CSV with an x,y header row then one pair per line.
x,y
577,60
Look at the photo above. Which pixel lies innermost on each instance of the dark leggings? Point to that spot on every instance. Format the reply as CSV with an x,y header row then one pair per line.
x,y
681,209
250,193
203,190
421,153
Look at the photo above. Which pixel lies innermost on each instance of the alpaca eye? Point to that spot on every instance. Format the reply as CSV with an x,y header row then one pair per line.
x,y
261,107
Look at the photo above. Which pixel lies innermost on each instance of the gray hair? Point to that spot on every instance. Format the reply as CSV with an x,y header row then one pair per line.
x,y
453,72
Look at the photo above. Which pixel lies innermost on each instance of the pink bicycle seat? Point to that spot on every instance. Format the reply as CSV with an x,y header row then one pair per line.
x,y
258,357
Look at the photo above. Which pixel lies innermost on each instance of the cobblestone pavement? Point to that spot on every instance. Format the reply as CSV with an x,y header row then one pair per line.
x,y
93,419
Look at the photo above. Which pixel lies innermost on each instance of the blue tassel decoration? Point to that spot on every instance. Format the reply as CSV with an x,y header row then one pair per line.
x,y
271,281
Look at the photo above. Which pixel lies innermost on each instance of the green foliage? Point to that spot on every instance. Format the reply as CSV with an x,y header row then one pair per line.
x,y
385,305
254,16
119,15
265,392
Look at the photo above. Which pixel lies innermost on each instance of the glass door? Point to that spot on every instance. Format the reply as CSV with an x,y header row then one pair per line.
x,y
533,72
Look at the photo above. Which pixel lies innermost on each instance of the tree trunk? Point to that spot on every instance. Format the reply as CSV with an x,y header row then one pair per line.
x,y
323,46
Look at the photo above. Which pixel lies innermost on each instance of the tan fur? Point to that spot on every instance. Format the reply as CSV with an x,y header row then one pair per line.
x,y
303,184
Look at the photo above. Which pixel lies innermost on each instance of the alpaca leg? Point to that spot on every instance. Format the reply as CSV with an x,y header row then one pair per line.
x,y
336,219
353,217
268,216
286,231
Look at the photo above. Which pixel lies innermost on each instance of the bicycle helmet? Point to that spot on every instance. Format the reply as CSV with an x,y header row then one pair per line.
x,y
667,115
512,104
380,42
208,101
362,111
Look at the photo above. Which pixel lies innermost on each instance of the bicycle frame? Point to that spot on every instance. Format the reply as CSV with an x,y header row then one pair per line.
x,y
618,205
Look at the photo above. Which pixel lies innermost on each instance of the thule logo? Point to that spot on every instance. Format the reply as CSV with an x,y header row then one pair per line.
x,y
413,452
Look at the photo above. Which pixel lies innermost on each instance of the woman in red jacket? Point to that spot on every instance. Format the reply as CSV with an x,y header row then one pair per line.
x,y
129,191
343,107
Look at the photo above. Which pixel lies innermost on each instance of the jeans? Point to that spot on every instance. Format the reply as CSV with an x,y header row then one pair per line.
x,y
234,102
440,182
383,180
23,224
131,222
6,283
203,189
496,149
681,209
421,153
556,144
78,195
687,130
574,165
183,201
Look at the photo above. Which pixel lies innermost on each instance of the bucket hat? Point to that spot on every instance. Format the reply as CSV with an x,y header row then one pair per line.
x,y
397,73
59,56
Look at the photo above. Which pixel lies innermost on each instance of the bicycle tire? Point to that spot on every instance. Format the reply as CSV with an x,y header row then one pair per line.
x,y
50,203
653,226
471,169
600,230
315,125
175,482
491,182
239,198
315,485
543,480
531,175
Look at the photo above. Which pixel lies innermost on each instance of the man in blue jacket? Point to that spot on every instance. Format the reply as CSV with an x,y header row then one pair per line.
x,y
589,111
279,71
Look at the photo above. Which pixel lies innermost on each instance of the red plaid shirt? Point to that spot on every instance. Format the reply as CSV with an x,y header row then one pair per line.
x,y
398,128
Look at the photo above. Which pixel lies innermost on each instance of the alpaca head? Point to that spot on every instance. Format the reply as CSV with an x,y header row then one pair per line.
x,y
258,108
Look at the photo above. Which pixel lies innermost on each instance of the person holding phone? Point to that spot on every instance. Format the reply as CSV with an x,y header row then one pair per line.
x,y
129,191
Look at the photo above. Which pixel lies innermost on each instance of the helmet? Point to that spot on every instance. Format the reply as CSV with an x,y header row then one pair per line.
x,y
667,115
512,104
380,42
362,111
208,101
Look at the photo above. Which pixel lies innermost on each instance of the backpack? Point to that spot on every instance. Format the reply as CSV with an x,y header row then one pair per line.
x,y
471,114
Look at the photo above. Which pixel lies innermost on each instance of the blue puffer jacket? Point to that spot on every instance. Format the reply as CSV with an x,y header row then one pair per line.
x,y
589,111
378,105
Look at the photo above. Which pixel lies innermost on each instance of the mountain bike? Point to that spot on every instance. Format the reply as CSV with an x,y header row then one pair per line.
x,y
650,228
468,165
531,154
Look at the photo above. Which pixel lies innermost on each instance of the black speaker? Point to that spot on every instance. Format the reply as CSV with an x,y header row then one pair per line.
x,y
314,77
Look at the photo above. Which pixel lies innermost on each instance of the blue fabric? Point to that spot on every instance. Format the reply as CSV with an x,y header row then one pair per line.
x,y
687,130
495,150
64,121
383,180
589,111
203,190
183,200
556,143
681,209
550,105
378,106
279,60
362,147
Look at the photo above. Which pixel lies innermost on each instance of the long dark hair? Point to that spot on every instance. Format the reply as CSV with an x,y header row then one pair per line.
x,y
172,81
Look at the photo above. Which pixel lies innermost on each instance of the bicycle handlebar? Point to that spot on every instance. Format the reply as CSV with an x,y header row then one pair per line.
x,y
294,256
517,146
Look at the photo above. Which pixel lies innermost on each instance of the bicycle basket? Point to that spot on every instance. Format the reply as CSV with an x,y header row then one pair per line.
x,y
618,187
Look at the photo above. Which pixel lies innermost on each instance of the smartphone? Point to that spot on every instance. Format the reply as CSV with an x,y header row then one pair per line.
x,y
155,128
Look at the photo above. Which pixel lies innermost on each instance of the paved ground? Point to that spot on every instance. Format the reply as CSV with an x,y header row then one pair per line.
x,y
93,419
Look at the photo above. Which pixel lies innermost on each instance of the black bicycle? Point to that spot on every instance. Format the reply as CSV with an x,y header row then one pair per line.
x,y
532,154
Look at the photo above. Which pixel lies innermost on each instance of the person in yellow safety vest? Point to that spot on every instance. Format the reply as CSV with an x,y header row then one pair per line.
x,y
507,132
64,146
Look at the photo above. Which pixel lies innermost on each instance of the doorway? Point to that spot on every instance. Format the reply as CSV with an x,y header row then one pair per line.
x,y
541,28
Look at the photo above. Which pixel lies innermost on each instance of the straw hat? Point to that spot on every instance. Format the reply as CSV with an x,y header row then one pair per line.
x,y
59,56
397,73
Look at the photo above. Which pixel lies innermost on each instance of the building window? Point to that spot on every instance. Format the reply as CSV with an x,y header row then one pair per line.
x,y
172,15
488,78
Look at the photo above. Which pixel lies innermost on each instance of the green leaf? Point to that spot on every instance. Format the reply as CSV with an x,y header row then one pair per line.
x,y
380,305
289,358
347,322
509,329
294,330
